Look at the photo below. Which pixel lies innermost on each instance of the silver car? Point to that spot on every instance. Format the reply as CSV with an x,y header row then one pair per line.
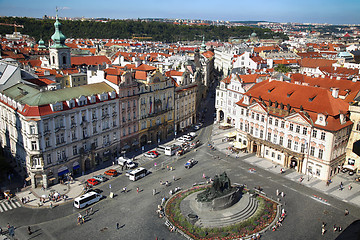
x,y
100,178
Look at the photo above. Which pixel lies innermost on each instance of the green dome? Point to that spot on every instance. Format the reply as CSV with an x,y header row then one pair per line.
x,y
41,43
58,37
253,34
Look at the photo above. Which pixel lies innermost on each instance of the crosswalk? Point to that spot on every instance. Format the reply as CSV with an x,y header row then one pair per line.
x,y
6,205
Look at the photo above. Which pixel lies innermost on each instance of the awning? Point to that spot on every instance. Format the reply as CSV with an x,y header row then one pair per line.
x,y
63,172
76,167
238,145
349,167
28,179
231,134
75,164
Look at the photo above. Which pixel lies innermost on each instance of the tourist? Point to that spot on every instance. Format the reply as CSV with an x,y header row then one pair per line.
x,y
323,231
346,212
277,192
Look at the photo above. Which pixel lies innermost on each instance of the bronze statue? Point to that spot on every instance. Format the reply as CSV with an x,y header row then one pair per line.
x,y
221,186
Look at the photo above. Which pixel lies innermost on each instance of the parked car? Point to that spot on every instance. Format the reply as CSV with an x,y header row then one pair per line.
x,y
190,163
92,181
182,139
197,126
100,178
126,162
151,154
111,172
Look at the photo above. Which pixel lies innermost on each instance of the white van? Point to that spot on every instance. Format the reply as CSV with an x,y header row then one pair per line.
x,y
161,148
87,199
171,150
124,161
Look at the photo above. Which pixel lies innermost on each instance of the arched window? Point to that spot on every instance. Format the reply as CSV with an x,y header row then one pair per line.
x,y
53,59
64,60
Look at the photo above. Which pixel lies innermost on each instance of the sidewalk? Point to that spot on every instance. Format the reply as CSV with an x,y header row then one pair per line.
x,y
72,190
349,196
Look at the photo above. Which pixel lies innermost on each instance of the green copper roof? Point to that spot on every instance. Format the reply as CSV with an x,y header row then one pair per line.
x,y
58,37
41,44
34,97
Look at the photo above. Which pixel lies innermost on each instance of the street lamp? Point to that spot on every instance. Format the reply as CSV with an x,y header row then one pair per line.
x,y
175,135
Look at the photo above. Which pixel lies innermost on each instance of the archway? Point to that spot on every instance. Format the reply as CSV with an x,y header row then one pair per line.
x,y
87,164
255,147
143,140
293,163
221,115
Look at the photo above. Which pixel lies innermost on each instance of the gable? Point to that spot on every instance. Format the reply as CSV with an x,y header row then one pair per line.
x,y
297,118
256,107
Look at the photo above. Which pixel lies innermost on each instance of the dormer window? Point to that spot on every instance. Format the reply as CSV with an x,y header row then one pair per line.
x,y
71,103
103,96
113,95
56,106
321,119
246,100
342,118
81,101
92,99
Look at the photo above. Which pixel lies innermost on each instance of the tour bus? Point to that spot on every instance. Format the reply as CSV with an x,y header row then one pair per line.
x,y
137,173
171,150
161,148
86,199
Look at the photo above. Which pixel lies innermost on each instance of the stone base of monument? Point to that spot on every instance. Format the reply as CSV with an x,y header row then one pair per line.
x,y
228,210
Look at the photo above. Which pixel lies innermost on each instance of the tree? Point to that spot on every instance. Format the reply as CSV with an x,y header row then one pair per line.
x,y
282,68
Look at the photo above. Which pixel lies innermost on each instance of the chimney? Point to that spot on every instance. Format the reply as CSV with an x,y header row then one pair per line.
x,y
334,92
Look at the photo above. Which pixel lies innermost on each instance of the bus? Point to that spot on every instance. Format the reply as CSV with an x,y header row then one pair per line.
x,y
86,199
171,150
137,173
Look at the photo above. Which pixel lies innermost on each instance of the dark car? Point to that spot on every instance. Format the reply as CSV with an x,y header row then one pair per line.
x,y
190,163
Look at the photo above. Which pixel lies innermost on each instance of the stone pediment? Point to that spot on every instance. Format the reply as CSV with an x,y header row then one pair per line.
x,y
256,107
297,118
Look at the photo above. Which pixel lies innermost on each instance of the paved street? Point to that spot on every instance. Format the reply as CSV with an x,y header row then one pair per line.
x,y
135,212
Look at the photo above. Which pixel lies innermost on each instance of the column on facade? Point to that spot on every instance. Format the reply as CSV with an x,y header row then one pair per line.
x,y
258,149
32,180
45,182
286,160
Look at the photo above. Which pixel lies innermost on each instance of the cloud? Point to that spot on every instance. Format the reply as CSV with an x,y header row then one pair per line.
x,y
63,8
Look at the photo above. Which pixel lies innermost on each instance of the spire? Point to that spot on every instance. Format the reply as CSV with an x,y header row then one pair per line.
x,y
203,46
58,37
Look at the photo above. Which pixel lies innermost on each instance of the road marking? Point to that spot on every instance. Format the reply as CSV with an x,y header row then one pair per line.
x,y
8,205
1,210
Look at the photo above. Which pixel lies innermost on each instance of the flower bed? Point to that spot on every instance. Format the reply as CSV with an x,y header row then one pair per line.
x,y
263,216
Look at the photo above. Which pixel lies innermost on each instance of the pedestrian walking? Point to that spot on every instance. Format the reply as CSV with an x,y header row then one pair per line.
x,y
204,176
91,210
86,213
137,189
335,228
277,192
346,212
339,228
323,224
154,191
124,189
173,178
350,187
29,230
117,226
323,231
51,205
282,194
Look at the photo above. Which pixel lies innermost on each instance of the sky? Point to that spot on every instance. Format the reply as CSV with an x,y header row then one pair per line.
x,y
301,11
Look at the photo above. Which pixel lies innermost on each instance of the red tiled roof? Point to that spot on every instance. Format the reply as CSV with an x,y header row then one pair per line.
x,y
141,75
314,62
208,54
265,48
41,81
173,73
90,60
145,67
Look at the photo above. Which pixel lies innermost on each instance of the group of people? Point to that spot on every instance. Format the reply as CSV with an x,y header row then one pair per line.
x,y
25,200
81,219
280,220
335,228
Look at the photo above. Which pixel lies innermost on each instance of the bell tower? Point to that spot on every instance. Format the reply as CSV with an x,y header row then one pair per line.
x,y
59,52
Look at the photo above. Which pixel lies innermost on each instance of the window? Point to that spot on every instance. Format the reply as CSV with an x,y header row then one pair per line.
x,y
75,150
281,141
32,129
241,126
291,127
270,120
47,142
246,127
318,172
251,130
282,124
304,131
269,137
262,118
257,116
296,146
358,126
276,122
48,158
252,115
314,133
279,157
302,148
267,152
46,127
272,154
242,111
33,145
289,143
298,129
321,152
275,138
261,133
322,137
312,151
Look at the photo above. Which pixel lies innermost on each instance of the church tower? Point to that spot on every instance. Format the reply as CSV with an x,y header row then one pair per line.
x,y
59,52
